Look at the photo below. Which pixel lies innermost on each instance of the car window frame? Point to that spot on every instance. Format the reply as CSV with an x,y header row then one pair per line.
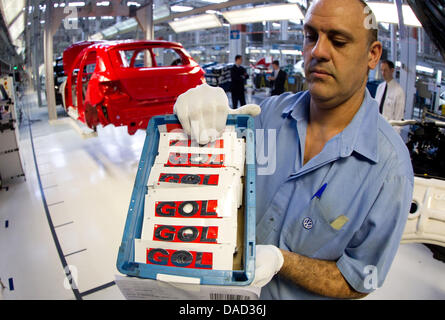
x,y
79,84
117,53
179,52
135,54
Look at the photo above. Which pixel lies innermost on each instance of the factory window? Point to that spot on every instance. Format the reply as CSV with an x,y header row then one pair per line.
x,y
145,58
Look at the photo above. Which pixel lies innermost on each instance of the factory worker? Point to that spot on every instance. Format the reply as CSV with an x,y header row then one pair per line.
x,y
332,210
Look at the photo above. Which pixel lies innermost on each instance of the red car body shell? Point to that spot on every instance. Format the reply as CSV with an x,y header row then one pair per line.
x,y
124,95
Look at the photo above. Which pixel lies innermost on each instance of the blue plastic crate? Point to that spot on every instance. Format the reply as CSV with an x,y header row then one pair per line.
x,y
133,227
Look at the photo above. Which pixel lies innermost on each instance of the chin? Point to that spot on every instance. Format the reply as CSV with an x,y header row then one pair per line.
x,y
320,91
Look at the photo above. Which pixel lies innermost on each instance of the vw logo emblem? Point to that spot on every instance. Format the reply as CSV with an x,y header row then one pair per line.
x,y
307,223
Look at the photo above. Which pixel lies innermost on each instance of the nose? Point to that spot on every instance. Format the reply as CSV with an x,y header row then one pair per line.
x,y
321,50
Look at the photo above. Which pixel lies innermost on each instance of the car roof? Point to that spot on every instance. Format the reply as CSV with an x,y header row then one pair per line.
x,y
134,43
70,53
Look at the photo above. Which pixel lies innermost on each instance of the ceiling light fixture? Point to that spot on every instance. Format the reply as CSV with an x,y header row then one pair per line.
x,y
387,13
204,21
264,13
178,8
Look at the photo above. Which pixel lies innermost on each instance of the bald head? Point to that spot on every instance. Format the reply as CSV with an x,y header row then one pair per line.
x,y
339,50
364,15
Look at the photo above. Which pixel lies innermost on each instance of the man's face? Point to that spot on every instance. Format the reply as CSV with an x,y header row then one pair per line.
x,y
274,66
387,72
336,50
239,61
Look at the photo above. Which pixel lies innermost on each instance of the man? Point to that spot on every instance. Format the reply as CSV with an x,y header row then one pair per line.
x,y
239,77
331,216
278,79
390,95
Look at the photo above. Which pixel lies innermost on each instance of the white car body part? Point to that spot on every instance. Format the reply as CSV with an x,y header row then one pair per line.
x,y
62,92
442,100
299,68
395,123
73,113
426,222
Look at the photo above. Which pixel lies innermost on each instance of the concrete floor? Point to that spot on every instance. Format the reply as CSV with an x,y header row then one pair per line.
x,y
87,185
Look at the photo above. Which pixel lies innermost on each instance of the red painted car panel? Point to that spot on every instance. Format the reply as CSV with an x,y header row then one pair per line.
x,y
125,83
71,53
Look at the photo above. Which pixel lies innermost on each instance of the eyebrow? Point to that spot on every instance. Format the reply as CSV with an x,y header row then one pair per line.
x,y
332,32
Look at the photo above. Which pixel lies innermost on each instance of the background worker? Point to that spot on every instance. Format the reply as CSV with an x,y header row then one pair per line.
x,y
390,95
239,76
277,79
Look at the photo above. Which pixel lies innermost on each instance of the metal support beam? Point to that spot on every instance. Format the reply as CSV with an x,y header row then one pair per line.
x,y
35,63
284,37
237,42
36,53
393,55
144,17
53,20
284,26
408,59
438,89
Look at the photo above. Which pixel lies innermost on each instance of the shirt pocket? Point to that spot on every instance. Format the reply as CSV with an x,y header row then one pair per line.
x,y
390,102
307,233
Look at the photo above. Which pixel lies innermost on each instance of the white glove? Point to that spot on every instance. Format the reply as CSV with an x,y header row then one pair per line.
x,y
268,262
203,112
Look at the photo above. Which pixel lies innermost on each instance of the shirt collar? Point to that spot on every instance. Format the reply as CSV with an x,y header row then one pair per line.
x,y
361,133
300,109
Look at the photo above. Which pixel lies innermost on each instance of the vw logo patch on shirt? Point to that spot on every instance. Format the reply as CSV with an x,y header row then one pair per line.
x,y
307,223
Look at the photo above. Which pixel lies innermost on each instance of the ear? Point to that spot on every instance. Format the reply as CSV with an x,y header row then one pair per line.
x,y
374,54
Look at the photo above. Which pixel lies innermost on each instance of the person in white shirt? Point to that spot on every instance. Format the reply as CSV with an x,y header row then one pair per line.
x,y
390,95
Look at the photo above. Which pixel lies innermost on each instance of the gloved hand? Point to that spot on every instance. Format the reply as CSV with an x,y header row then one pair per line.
x,y
269,261
203,112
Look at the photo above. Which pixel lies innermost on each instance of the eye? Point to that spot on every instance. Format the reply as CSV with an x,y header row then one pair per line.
x,y
338,43
310,36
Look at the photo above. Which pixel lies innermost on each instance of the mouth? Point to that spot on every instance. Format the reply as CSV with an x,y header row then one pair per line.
x,y
320,73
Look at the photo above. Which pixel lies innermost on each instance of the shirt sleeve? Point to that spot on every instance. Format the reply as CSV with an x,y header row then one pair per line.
x,y
369,255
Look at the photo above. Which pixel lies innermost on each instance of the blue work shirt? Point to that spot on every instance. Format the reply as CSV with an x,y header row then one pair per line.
x,y
364,173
